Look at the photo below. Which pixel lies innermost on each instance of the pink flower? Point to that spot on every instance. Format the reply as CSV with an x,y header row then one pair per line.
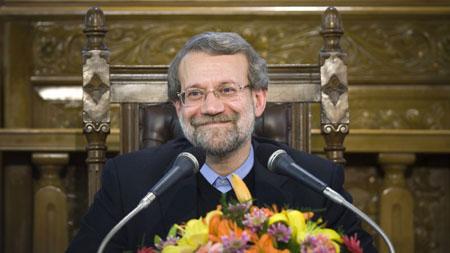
x,y
280,232
146,250
255,219
352,244
317,244
234,243
211,248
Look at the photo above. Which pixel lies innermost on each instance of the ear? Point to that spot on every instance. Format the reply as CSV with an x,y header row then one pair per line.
x,y
177,105
259,101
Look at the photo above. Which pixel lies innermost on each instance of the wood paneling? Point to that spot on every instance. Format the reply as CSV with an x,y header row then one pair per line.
x,y
398,58
17,68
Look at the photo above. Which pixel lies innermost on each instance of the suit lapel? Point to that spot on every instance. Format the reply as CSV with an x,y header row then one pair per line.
x,y
180,204
269,187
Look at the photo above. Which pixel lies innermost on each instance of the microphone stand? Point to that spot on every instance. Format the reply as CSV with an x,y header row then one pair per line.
x,y
338,199
144,203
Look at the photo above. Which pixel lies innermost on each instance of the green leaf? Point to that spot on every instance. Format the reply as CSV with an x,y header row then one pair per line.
x,y
173,231
157,239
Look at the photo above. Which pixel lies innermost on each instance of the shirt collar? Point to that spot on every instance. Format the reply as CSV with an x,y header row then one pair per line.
x,y
210,175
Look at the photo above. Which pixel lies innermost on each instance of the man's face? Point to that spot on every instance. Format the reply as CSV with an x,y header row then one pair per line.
x,y
220,126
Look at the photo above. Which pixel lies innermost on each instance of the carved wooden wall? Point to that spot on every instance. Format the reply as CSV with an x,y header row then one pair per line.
x,y
399,89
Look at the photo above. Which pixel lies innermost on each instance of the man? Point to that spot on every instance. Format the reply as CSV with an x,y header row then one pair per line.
x,y
218,85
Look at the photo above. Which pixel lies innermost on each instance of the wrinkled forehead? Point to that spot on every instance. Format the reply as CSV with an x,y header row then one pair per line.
x,y
206,70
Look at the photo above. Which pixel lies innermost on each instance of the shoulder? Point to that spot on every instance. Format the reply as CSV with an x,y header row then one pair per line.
x,y
162,154
143,166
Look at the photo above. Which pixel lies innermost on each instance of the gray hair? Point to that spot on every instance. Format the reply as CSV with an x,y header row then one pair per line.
x,y
219,43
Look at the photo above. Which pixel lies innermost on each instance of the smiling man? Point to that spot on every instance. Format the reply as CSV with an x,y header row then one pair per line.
x,y
218,85
217,107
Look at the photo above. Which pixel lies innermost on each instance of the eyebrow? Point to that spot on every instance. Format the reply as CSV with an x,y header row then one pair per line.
x,y
198,86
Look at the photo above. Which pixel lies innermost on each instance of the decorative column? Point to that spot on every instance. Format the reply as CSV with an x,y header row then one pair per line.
x,y
18,206
96,96
396,202
334,117
50,232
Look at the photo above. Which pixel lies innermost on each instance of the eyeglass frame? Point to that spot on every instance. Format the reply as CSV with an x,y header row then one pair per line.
x,y
215,91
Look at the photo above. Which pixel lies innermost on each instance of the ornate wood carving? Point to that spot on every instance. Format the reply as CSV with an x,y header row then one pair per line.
x,y
396,202
96,96
400,107
413,50
431,190
378,48
363,183
334,115
50,233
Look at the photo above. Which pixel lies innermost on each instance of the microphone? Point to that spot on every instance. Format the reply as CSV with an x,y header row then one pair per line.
x,y
186,164
280,162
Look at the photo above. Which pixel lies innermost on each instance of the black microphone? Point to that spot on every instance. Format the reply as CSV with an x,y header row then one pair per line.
x,y
186,164
278,161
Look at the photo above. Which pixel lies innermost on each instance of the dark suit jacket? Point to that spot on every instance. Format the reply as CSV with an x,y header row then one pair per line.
x,y
127,178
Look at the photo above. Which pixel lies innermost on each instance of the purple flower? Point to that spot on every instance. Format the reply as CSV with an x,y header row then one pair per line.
x,y
317,244
239,207
255,220
235,244
170,240
280,232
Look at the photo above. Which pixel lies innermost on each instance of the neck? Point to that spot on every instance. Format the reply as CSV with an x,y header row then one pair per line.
x,y
225,165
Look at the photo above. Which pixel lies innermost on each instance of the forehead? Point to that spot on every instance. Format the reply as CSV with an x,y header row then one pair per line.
x,y
202,69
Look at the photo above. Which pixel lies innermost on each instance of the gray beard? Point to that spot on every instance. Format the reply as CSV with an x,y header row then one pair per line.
x,y
231,139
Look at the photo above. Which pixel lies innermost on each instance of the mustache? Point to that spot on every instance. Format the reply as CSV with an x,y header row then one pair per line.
x,y
203,120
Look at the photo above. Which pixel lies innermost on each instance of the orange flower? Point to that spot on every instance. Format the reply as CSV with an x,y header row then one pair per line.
x,y
308,215
214,227
265,245
219,227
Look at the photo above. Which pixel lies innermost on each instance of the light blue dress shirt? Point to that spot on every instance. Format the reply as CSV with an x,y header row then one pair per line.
x,y
223,183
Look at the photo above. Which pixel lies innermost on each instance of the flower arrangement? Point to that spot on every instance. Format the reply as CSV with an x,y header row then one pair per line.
x,y
243,228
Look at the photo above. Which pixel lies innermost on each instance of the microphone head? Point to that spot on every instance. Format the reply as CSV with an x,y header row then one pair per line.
x,y
268,155
196,155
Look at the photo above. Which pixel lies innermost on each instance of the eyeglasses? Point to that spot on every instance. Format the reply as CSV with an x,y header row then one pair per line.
x,y
196,96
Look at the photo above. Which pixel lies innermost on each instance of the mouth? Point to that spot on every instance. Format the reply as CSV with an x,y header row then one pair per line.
x,y
213,123
217,120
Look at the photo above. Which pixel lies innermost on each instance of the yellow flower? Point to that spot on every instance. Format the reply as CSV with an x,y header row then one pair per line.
x,y
195,234
241,190
178,249
334,237
330,233
278,217
297,222
294,219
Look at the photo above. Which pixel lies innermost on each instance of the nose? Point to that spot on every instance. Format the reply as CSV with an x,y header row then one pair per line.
x,y
212,105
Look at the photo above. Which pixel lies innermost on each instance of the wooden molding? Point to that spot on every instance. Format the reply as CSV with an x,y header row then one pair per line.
x,y
358,141
206,9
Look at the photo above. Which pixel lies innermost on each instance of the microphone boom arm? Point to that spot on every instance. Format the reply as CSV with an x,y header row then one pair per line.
x,y
144,203
338,199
